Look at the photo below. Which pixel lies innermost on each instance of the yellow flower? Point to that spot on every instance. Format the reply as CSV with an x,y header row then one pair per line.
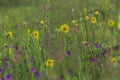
x,y
111,22
97,12
119,25
73,21
64,28
28,31
113,59
9,34
41,22
87,18
36,34
93,20
50,63
10,50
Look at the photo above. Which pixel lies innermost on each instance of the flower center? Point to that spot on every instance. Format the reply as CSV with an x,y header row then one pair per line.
x,y
64,29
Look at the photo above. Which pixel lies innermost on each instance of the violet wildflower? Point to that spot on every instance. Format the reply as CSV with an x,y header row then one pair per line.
x,y
2,78
86,44
6,65
94,59
68,53
1,70
98,45
5,59
15,47
69,71
8,77
33,69
37,74
61,77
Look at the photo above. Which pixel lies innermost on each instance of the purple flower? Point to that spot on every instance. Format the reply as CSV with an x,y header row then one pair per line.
x,y
5,59
98,45
37,74
94,59
1,70
33,69
69,71
2,78
8,77
15,47
61,77
68,53
86,44
6,65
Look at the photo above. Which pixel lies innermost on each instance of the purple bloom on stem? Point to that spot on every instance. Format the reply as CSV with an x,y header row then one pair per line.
x,y
37,74
68,53
5,59
94,59
98,45
2,78
86,44
6,65
1,70
8,77
69,71
15,47
61,77
33,69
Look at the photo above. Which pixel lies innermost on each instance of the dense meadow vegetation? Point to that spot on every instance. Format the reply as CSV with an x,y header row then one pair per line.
x,y
59,39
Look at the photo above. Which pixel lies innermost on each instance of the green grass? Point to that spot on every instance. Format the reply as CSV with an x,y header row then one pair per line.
x,y
55,44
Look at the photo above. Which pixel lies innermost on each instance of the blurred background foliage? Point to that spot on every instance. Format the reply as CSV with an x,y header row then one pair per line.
x,y
65,5
18,2
93,3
